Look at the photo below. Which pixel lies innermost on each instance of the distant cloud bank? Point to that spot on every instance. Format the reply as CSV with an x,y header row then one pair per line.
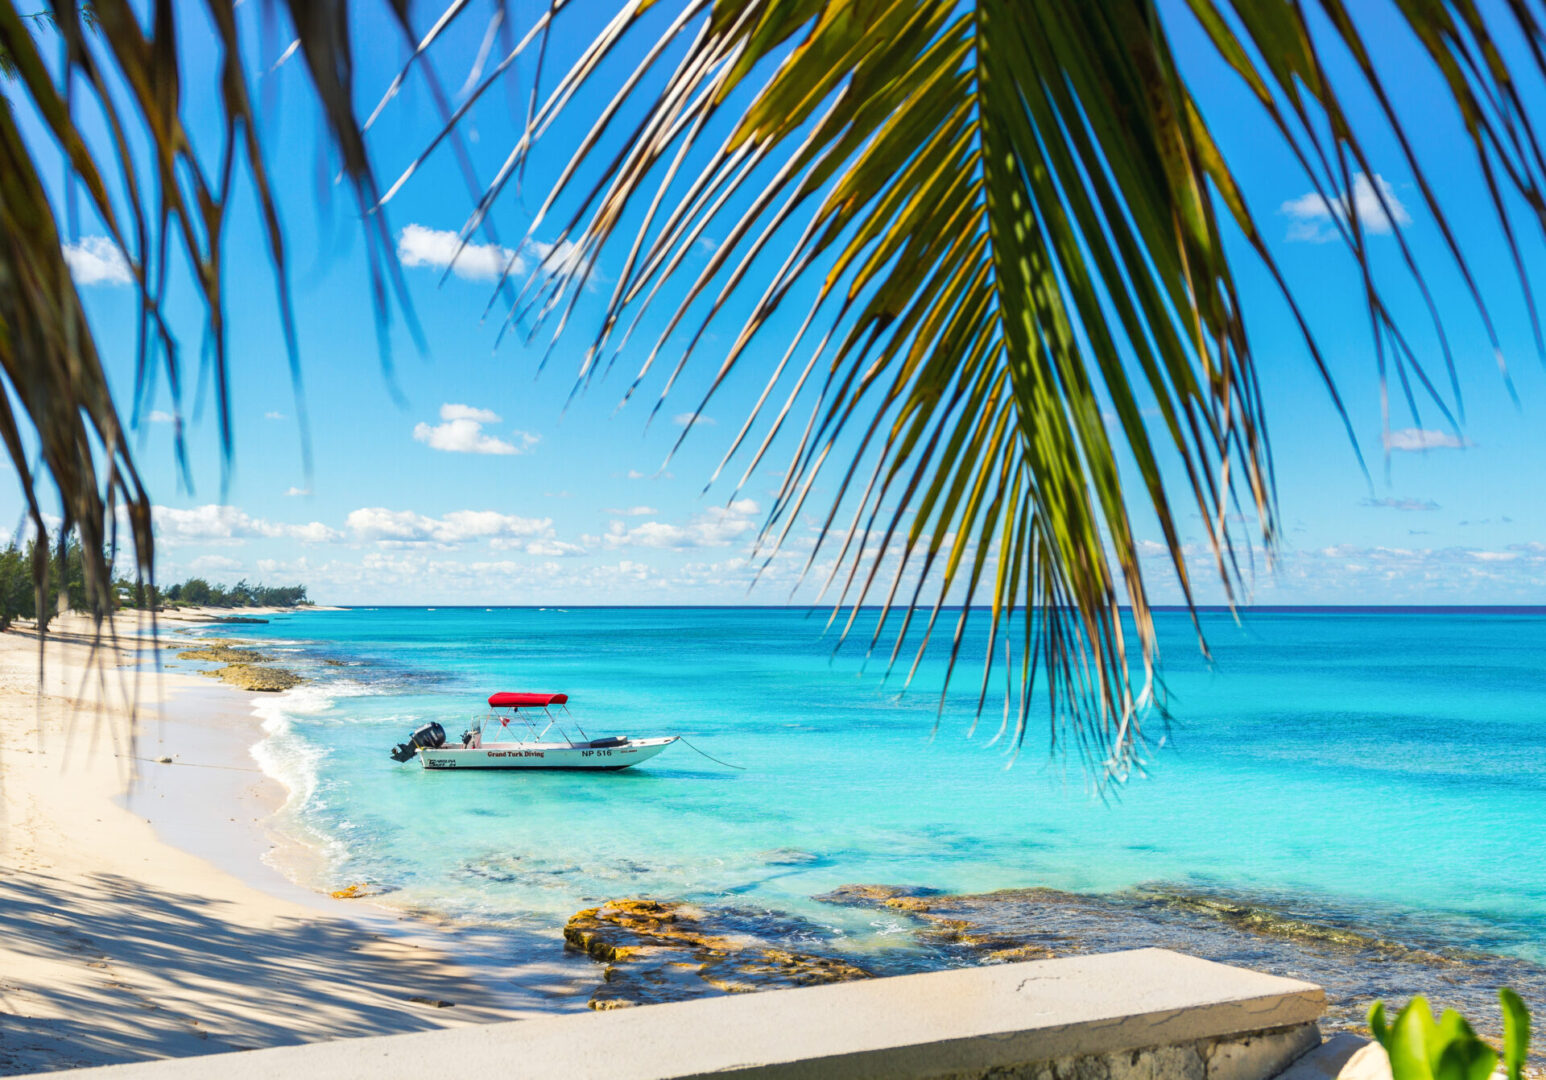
x,y
226,523
505,532
715,527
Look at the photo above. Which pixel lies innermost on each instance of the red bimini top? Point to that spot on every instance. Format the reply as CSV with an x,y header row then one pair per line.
x,y
508,700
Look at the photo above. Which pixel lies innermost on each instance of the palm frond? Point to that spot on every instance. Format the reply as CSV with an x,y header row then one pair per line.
x,y
1000,227
174,207
995,231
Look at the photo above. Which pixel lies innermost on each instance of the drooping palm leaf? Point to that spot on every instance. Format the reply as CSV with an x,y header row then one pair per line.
x,y
174,206
997,225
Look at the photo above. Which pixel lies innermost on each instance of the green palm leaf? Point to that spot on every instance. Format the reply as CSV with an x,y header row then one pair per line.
x,y
1000,227
175,209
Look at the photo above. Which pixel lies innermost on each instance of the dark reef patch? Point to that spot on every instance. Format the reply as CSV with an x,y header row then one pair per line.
x,y
1356,965
657,951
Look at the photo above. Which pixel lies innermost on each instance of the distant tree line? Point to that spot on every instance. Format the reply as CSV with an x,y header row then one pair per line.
x,y
67,576
196,592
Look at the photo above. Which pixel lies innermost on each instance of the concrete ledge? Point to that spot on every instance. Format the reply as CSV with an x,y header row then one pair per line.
x,y
1036,1020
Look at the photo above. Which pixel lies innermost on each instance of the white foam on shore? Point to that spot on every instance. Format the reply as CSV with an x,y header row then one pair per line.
x,y
283,753
295,761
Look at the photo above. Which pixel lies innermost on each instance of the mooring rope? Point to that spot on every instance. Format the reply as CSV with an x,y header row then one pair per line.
x,y
711,757
196,764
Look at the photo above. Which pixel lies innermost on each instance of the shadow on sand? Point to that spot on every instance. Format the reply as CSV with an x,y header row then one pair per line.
x,y
121,971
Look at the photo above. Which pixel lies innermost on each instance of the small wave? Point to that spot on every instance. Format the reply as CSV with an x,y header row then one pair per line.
x,y
284,753
295,761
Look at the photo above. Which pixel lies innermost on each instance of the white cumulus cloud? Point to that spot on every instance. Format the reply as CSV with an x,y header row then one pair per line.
x,y
633,511
1313,218
214,522
461,432
158,416
1411,439
313,532
97,260
437,248
686,419
468,412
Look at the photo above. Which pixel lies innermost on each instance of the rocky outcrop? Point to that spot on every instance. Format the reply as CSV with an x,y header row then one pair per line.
x,y
253,677
243,667
225,652
658,951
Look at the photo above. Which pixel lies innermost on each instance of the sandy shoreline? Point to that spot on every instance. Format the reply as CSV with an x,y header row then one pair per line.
x,y
141,918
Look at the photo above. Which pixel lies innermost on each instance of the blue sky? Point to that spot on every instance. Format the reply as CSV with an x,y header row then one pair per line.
x,y
465,477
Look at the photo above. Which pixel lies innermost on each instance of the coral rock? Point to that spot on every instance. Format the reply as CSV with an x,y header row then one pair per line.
x,y
657,951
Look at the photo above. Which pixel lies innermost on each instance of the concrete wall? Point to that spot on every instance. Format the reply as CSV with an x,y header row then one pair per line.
x,y
1148,1014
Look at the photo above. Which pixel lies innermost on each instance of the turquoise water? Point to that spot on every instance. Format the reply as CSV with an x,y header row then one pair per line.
x,y
1388,768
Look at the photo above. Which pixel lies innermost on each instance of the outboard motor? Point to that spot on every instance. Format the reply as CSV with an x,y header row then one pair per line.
x,y
429,737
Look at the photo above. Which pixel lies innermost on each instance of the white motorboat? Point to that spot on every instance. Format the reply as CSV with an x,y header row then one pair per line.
x,y
521,731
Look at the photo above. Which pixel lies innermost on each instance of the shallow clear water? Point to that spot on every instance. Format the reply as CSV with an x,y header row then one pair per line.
x,y
1384,768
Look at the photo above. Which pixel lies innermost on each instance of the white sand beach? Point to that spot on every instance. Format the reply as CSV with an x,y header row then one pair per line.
x,y
121,942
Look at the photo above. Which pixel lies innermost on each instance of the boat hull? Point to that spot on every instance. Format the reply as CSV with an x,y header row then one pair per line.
x,y
545,756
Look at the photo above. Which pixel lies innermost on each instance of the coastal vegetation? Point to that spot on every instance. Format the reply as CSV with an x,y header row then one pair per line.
x,y
66,575
24,592
196,592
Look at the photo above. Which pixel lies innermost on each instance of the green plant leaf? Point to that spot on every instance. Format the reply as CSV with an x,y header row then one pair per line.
x,y
1451,1028
1464,1057
1379,1025
1516,1033
1412,1042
